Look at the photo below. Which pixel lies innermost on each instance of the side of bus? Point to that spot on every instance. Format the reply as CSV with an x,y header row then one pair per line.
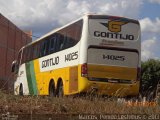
x,y
50,65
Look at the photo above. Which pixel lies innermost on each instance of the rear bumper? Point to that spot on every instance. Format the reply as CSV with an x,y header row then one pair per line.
x,y
117,72
111,89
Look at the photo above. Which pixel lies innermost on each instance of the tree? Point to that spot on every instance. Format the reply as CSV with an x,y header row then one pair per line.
x,y
150,75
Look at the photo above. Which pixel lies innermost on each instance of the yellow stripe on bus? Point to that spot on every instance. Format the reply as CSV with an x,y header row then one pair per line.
x,y
101,71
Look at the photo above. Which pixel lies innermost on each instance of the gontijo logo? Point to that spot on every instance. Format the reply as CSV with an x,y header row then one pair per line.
x,y
114,31
115,26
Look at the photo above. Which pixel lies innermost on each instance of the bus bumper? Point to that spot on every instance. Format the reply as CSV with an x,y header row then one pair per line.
x,y
111,89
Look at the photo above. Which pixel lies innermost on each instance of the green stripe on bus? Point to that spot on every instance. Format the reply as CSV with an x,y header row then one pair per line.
x,y
31,78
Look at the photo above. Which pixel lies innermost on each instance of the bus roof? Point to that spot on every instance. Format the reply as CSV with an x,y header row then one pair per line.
x,y
53,31
90,16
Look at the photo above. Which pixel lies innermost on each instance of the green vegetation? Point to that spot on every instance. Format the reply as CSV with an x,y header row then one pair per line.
x,y
150,75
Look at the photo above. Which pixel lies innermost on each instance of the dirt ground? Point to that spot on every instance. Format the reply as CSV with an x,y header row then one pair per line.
x,y
68,108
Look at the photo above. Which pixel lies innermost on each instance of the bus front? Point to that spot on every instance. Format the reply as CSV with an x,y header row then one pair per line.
x,y
112,64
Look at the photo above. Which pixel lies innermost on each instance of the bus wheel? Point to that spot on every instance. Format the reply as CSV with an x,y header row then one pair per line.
x,y
21,90
60,91
52,89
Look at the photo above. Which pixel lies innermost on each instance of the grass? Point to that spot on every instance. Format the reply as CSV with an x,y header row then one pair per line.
x,y
68,105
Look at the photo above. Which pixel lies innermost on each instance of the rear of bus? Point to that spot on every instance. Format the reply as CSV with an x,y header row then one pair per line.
x,y
111,64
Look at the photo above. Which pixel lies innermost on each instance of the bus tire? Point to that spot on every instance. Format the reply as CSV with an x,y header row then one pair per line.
x,y
60,90
21,90
51,89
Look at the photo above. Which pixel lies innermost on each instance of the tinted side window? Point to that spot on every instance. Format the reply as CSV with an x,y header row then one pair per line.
x,y
52,46
27,54
63,39
19,59
70,35
60,41
42,46
36,48
30,53
74,32
24,56
78,27
46,49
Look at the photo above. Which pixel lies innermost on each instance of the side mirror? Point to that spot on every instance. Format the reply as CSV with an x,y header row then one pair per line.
x,y
14,66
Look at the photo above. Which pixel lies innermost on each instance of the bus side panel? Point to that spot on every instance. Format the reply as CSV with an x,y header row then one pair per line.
x,y
39,78
43,78
69,77
31,78
73,79
21,79
59,74
61,65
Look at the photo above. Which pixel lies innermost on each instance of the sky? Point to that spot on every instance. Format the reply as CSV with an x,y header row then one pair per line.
x,y
42,16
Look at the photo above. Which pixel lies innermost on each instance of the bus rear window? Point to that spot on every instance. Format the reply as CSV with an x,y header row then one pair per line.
x,y
114,29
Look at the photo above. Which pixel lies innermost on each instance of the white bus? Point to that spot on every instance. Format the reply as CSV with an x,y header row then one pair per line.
x,y
96,53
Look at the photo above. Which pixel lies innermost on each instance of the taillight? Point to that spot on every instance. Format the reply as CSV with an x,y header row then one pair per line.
x,y
84,70
138,73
